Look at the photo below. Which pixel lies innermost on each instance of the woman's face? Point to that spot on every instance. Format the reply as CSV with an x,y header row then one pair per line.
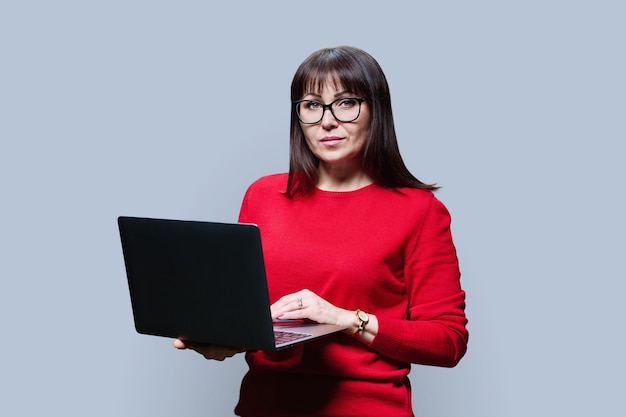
x,y
335,143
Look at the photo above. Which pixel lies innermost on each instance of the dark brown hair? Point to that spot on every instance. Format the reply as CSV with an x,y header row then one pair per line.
x,y
354,70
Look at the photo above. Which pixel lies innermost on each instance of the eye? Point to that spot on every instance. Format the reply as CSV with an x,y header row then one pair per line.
x,y
347,103
312,105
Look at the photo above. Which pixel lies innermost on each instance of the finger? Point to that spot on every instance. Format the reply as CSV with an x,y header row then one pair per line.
x,y
283,305
179,344
285,300
295,314
290,310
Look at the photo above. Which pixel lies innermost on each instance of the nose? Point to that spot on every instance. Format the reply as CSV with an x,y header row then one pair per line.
x,y
328,119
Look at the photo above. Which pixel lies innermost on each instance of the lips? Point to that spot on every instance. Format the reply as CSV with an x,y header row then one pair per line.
x,y
331,140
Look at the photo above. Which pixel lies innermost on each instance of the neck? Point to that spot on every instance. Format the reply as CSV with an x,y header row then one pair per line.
x,y
341,179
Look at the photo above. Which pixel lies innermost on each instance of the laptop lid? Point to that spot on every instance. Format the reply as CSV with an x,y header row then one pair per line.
x,y
201,281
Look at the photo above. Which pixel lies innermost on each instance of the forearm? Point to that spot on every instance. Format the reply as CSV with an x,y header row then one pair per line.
x,y
435,342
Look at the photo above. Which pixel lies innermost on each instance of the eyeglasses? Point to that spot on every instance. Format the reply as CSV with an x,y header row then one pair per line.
x,y
346,109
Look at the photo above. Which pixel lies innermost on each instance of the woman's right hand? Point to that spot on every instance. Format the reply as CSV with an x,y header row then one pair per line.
x,y
218,353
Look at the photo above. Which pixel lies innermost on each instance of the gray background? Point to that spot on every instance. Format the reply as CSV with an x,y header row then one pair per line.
x,y
170,109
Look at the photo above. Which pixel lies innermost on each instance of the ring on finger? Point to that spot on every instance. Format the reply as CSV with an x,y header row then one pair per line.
x,y
299,302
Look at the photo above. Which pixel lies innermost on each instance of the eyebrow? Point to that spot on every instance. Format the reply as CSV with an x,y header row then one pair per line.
x,y
336,95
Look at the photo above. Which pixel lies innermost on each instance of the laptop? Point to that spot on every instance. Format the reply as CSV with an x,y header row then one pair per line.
x,y
205,282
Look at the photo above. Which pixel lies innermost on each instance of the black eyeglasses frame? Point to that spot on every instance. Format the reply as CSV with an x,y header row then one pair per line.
x,y
328,106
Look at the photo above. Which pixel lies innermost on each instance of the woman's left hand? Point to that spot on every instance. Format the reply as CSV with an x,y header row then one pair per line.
x,y
305,304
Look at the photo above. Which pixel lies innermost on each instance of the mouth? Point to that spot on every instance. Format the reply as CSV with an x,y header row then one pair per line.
x,y
330,140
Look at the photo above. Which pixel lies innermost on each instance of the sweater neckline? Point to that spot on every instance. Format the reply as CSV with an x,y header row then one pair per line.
x,y
326,193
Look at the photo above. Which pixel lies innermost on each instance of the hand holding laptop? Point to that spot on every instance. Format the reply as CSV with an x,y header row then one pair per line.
x,y
218,353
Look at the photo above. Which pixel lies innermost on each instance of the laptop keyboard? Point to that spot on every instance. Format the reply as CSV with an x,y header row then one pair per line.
x,y
282,336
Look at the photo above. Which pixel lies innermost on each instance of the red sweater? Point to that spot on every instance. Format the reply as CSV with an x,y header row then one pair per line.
x,y
387,252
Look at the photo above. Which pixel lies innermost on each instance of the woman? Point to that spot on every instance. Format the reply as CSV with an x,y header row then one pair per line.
x,y
350,237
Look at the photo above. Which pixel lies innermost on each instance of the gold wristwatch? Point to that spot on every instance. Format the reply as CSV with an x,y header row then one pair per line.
x,y
363,320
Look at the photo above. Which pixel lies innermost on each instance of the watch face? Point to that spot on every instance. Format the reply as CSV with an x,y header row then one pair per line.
x,y
363,316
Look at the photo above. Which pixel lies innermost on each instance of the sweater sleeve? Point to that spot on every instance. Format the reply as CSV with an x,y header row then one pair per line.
x,y
435,330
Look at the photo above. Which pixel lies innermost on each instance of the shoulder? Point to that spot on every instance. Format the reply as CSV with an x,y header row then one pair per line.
x,y
426,197
269,184
413,196
265,192
416,202
416,194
